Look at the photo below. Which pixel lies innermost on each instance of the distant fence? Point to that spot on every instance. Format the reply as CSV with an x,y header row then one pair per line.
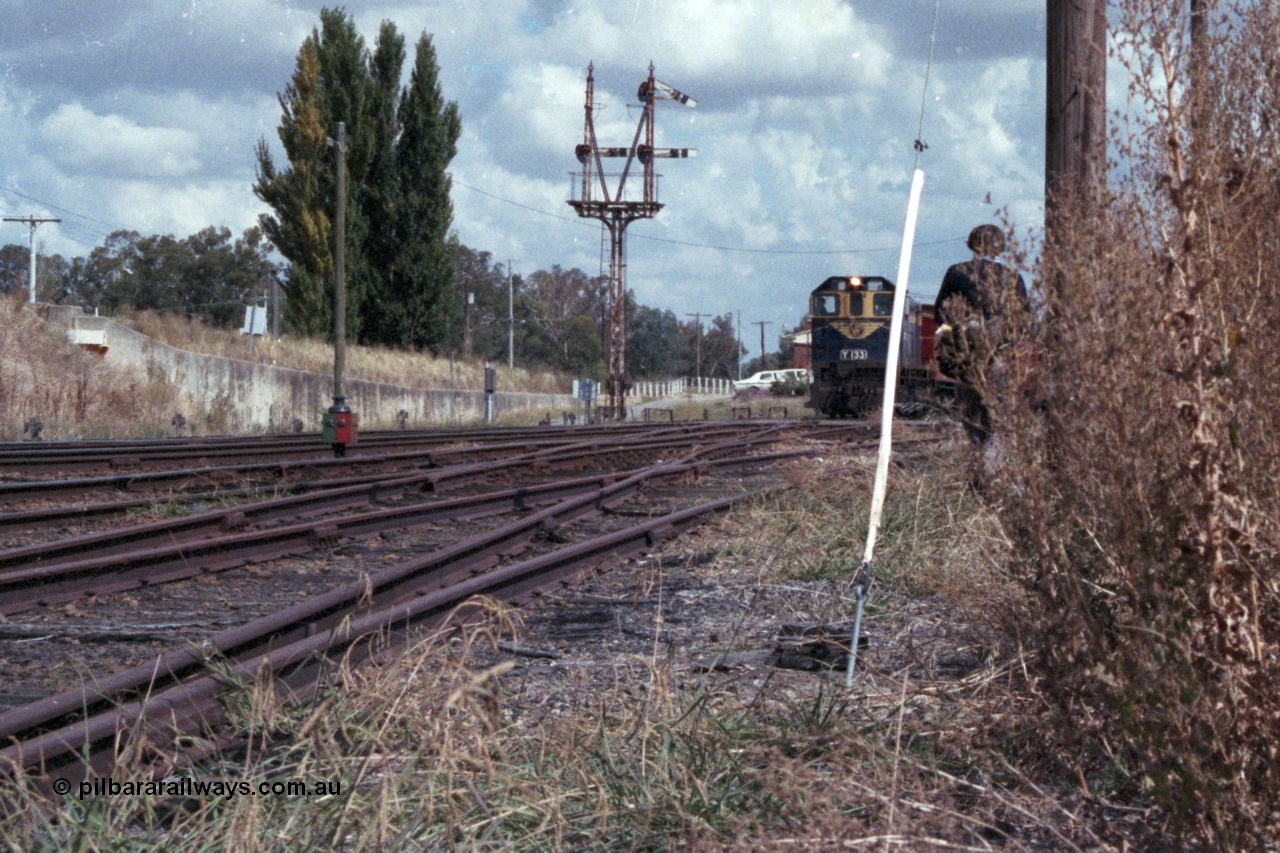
x,y
675,387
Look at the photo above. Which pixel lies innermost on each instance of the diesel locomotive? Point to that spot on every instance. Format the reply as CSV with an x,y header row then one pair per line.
x,y
849,335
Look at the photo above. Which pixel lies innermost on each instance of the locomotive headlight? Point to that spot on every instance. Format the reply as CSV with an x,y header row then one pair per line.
x,y
855,282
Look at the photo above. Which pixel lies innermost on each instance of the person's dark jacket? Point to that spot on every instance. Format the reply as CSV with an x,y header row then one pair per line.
x,y
979,282
980,289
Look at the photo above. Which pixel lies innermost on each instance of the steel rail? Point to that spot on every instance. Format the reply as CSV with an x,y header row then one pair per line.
x,y
439,568
180,698
230,519
275,473
66,456
48,516
59,573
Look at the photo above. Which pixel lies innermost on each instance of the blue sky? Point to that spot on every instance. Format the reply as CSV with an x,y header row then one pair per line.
x,y
143,114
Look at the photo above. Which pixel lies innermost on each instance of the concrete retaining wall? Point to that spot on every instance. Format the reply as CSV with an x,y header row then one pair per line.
x,y
254,397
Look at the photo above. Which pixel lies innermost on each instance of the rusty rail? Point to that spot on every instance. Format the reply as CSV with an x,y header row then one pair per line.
x,y
53,739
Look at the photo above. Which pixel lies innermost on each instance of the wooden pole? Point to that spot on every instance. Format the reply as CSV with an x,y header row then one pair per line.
x,y
1075,103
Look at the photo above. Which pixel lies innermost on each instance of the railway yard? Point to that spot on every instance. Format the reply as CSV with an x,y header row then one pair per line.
x,y
137,577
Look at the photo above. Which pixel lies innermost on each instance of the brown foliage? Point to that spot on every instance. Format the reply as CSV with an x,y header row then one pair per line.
x,y
1141,493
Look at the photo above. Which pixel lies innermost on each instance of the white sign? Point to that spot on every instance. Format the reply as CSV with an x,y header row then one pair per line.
x,y
255,320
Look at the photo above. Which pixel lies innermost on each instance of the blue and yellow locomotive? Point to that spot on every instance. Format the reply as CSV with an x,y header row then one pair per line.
x,y
850,344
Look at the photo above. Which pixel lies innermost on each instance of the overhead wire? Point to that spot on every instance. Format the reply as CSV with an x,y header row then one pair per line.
x,y
719,248
920,146
52,206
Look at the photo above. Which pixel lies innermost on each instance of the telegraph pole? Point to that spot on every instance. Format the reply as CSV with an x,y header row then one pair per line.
x,y
469,301
739,344
511,319
33,222
340,422
275,306
762,324
1075,104
340,272
697,342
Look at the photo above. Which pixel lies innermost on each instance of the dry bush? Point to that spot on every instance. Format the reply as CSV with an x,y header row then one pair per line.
x,y
72,394
1140,480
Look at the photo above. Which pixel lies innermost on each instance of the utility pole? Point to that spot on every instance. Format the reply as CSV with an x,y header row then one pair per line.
x,y
275,306
697,342
596,201
511,319
33,222
739,343
340,272
339,422
762,324
1075,104
469,301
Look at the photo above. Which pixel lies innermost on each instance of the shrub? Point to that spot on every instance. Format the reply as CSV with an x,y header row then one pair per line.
x,y
1139,481
789,387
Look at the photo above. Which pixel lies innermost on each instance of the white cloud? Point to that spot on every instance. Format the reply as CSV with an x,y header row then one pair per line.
x,y
182,209
146,118
73,137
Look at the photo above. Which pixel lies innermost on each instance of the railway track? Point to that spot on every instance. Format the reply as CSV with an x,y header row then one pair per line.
x,y
320,467
423,581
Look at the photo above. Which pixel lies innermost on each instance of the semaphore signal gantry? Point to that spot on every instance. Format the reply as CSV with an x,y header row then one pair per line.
x,y
617,211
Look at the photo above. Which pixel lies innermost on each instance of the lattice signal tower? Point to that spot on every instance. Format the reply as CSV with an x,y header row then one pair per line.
x,y
616,211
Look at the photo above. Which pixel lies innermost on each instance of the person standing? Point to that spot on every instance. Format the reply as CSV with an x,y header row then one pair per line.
x,y
975,308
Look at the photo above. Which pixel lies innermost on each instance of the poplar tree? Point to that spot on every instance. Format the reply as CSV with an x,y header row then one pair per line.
x,y
378,197
399,261
346,87
421,283
301,227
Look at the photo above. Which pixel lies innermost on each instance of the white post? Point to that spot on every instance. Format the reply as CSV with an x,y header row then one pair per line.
x,y
863,575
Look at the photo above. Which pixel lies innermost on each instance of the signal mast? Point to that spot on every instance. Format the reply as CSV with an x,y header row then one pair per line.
x,y
616,211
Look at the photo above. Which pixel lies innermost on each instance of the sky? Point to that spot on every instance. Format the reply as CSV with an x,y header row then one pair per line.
x,y
144,115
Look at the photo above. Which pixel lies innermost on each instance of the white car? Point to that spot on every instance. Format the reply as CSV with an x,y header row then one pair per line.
x,y
764,380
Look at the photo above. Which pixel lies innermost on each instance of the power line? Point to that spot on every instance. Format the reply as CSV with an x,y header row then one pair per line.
x,y
709,245
12,191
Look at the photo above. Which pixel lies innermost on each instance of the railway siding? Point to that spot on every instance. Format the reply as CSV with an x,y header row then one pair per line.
x,y
337,574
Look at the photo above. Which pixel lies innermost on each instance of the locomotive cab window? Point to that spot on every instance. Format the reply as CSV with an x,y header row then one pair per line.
x,y
826,305
882,305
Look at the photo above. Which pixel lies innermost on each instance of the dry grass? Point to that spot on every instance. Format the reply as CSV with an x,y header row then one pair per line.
x,y
73,394
375,364
1140,485
435,749
76,396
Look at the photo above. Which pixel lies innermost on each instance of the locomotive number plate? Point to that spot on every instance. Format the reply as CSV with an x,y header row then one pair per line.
x,y
853,355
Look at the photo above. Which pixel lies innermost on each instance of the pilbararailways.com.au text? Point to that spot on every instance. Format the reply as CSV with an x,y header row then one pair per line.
x,y
188,787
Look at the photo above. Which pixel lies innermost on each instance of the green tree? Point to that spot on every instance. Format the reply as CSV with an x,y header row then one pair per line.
x,y
720,348
379,193
330,84
15,265
654,345
301,226
565,307
422,273
222,275
399,259
207,275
